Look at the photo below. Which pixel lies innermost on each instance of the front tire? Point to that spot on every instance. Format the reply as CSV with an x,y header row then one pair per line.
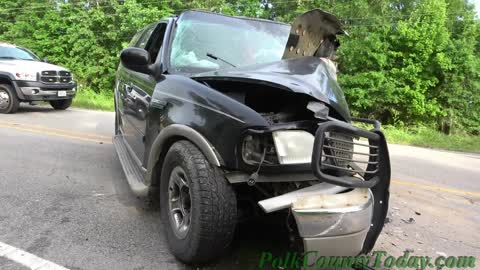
x,y
198,206
8,99
61,104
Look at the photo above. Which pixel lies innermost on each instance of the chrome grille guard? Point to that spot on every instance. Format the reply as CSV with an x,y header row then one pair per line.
x,y
334,162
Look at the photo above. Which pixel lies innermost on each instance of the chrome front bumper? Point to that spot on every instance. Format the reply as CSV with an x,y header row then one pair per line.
x,y
330,223
334,224
344,213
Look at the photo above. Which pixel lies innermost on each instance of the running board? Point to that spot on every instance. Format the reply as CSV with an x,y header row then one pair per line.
x,y
133,173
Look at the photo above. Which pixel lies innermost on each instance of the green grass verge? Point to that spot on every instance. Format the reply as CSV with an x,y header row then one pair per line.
x,y
88,99
427,137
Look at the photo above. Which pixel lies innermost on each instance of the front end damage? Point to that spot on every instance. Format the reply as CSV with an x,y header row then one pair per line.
x,y
335,224
310,160
341,209
331,177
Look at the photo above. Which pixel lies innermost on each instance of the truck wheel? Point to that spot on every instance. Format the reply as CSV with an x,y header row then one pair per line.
x,y
8,99
61,104
198,206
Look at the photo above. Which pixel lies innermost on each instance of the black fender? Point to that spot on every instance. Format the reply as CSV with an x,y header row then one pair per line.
x,y
6,75
163,140
11,79
182,108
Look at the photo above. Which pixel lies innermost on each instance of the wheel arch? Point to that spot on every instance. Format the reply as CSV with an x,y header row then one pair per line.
x,y
166,138
7,78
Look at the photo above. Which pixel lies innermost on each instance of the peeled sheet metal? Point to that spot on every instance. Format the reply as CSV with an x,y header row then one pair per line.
x,y
313,34
286,200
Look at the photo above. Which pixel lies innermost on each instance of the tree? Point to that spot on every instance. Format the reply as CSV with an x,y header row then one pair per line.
x,y
404,62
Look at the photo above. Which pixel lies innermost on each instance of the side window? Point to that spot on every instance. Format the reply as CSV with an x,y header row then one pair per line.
x,y
154,45
135,40
143,41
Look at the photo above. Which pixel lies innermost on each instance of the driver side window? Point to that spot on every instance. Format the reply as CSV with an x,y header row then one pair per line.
x,y
142,38
154,44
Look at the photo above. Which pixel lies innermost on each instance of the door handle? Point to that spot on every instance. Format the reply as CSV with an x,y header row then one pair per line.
x,y
127,89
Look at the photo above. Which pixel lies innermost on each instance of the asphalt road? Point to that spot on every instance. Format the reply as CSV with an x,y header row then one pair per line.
x,y
64,198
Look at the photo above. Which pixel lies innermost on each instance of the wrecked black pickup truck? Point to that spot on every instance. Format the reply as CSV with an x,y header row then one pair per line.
x,y
219,117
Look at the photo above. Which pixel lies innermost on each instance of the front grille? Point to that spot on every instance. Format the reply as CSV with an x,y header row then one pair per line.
x,y
48,79
342,148
52,76
343,152
348,156
65,73
49,73
65,79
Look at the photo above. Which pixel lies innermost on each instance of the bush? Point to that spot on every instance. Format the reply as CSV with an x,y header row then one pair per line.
x,y
89,99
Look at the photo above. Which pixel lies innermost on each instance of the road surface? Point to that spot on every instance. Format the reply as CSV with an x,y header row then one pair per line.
x,y
65,199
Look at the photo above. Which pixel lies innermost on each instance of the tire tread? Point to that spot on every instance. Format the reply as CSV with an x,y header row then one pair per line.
x,y
217,199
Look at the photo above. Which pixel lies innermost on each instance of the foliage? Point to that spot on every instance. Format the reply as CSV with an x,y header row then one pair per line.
x,y
85,36
405,62
428,137
89,99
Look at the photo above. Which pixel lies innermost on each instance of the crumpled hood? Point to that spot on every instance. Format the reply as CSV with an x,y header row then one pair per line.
x,y
27,66
307,75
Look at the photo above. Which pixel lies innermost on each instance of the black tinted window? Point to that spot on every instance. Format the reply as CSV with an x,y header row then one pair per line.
x,y
135,38
143,41
155,43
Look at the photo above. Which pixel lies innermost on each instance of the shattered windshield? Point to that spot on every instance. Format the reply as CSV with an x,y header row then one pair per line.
x,y
205,42
16,53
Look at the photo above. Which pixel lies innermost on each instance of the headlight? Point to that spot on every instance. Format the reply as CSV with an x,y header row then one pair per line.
x,y
26,76
293,146
254,147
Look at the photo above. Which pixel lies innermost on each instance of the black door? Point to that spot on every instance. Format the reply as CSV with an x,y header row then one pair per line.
x,y
137,90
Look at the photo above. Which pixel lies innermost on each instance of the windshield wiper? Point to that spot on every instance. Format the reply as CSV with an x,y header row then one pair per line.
x,y
8,57
219,58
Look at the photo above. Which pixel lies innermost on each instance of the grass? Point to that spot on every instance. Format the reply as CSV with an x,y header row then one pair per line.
x,y
430,138
88,99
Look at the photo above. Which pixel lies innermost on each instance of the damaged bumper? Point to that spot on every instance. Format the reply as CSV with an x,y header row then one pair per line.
x,y
344,214
334,225
329,222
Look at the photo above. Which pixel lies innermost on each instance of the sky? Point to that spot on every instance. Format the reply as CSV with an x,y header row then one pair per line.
x,y
477,6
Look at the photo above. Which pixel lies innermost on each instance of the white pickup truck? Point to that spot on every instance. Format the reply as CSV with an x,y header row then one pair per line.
x,y
24,77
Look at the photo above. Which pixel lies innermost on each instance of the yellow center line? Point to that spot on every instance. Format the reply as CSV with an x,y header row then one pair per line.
x,y
78,138
30,126
434,187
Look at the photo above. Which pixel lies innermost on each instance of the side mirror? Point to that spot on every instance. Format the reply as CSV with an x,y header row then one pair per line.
x,y
45,60
136,59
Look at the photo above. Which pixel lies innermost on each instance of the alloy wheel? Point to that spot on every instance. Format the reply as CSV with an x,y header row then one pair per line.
x,y
4,99
179,199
